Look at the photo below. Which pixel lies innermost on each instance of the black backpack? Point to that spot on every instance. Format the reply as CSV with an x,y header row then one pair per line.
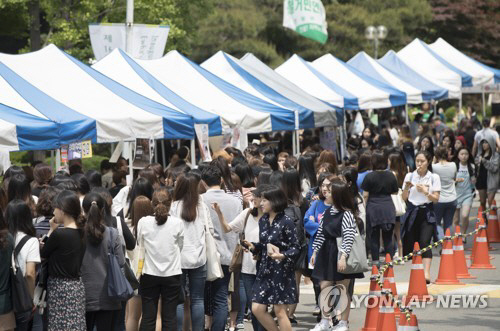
x,y
21,298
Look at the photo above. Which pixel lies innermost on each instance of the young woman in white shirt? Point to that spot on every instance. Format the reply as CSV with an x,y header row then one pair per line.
x,y
162,236
421,189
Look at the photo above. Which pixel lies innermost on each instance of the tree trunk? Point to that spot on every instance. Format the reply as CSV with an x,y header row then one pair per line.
x,y
34,10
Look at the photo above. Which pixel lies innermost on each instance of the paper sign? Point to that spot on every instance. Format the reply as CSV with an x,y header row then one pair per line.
x,y
80,150
201,131
148,41
143,153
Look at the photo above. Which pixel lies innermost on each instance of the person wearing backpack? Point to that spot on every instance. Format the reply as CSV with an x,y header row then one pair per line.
x,y
64,249
7,317
27,250
101,310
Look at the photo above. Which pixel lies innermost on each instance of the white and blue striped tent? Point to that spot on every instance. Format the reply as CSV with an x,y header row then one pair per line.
x,y
311,113
482,75
18,94
119,66
120,113
431,90
207,91
415,94
22,131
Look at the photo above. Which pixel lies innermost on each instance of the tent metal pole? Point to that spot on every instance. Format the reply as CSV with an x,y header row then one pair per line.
x,y
193,153
407,115
131,162
297,137
156,151
484,103
52,159
58,159
460,103
294,144
163,157
178,143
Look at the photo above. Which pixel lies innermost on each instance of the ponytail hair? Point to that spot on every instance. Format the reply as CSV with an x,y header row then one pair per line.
x,y
94,208
161,204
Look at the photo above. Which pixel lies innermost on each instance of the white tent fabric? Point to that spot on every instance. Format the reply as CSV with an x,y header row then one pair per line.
x,y
369,92
302,74
366,64
481,75
119,66
264,83
418,57
90,93
207,91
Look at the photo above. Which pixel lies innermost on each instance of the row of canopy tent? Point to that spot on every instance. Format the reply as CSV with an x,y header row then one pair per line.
x,y
48,98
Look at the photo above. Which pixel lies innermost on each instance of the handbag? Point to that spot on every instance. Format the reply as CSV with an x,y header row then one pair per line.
x,y
357,261
214,268
137,262
237,258
118,285
399,203
40,294
21,298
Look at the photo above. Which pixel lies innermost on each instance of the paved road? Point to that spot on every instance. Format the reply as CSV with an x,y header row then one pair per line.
x,y
429,318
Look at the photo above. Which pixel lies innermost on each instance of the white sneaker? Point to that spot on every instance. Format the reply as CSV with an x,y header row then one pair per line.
x,y
321,327
342,326
316,311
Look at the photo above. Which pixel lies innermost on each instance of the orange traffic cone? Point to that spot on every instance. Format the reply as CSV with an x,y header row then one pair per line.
x,y
389,275
373,303
459,256
447,274
386,318
481,258
473,249
417,288
493,230
411,325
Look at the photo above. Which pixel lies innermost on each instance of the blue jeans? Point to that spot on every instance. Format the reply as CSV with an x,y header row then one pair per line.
x,y
195,278
219,292
248,281
444,211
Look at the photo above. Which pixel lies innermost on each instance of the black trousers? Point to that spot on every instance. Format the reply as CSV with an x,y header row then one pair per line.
x,y
421,232
387,232
102,320
150,289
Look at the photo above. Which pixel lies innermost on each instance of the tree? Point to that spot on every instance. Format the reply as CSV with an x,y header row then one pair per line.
x,y
472,26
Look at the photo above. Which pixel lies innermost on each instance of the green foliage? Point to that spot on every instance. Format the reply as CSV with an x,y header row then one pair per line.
x,y
450,113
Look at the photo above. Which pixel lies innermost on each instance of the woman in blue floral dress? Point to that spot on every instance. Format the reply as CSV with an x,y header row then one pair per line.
x,y
276,251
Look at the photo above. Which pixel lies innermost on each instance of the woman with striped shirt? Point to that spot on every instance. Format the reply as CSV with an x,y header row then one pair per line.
x,y
329,260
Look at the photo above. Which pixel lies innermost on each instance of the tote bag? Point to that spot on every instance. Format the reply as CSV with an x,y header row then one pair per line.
x,y
399,203
214,268
357,261
237,258
118,285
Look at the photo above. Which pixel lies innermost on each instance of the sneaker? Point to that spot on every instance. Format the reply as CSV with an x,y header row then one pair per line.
x,y
240,326
342,326
293,319
316,311
321,327
353,305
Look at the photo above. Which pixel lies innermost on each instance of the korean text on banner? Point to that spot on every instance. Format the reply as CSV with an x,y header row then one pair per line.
x,y
202,135
80,150
148,41
307,18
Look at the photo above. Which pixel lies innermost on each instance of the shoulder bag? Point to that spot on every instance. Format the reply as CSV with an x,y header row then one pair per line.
x,y
237,258
118,285
21,298
399,203
214,268
357,261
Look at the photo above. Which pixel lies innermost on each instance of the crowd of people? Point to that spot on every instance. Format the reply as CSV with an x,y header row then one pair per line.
x,y
286,212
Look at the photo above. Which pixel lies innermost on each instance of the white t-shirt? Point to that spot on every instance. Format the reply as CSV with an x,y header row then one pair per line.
x,y
447,174
162,245
29,253
251,234
430,179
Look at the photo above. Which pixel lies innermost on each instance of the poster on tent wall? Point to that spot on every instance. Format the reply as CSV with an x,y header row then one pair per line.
x,y
144,150
235,137
307,18
201,131
328,139
148,41
77,150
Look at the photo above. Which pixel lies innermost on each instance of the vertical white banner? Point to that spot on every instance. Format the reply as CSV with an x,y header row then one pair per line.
x,y
148,41
201,131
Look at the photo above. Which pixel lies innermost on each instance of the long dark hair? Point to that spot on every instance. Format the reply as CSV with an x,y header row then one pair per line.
x,y
470,161
19,188
94,207
328,157
398,165
221,163
69,203
428,156
104,193
365,162
276,197
306,169
19,217
343,200
82,183
94,179
245,173
431,147
142,208
4,231
142,186
186,190
42,174
291,186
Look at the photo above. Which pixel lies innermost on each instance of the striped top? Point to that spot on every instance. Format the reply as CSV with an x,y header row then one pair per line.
x,y
348,232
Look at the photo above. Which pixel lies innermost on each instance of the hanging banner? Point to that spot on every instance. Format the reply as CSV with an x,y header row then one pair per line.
x,y
148,41
78,150
307,18
358,125
144,150
328,139
201,131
